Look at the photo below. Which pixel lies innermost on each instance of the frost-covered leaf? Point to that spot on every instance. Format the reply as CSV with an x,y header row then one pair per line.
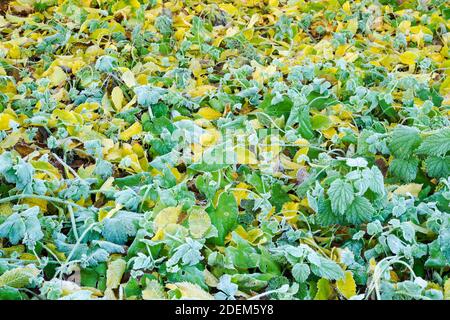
x,y
437,144
404,141
359,211
341,195
19,277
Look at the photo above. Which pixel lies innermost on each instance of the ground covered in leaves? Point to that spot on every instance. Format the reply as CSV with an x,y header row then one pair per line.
x,y
118,179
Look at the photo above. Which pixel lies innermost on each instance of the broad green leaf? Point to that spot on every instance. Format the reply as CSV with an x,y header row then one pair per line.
x,y
404,169
359,211
341,195
224,216
404,141
437,144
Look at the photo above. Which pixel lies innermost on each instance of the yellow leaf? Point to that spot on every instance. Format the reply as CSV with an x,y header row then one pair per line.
x,y
404,26
114,274
241,194
290,211
324,290
347,285
134,129
167,216
6,209
228,8
153,290
46,167
14,52
352,25
412,188
199,91
245,156
447,289
346,7
408,58
196,68
117,98
199,223
190,291
19,277
6,120
329,133
209,137
209,113
57,76
11,140
128,78
31,202
68,117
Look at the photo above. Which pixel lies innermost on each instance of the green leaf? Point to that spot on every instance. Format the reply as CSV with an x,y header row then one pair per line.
x,y
224,217
133,180
359,211
301,272
436,257
121,226
404,141
326,268
438,167
341,195
279,196
374,178
243,256
320,121
278,109
437,144
9,293
325,215
404,169
24,225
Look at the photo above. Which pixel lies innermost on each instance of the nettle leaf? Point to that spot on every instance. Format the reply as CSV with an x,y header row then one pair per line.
x,y
106,63
359,211
438,167
325,268
375,179
301,272
437,144
404,169
325,215
148,95
404,141
341,195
